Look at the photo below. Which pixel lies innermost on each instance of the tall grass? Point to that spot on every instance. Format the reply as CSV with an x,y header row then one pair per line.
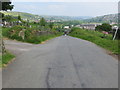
x,y
97,38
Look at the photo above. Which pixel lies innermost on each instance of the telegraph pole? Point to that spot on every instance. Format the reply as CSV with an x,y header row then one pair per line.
x,y
116,30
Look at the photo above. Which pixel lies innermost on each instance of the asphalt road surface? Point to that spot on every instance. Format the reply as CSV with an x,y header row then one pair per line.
x,y
63,62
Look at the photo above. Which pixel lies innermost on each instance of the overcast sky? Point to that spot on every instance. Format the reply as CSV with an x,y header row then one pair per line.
x,y
67,7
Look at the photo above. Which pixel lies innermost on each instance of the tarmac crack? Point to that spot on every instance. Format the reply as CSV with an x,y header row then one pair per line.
x,y
77,72
47,78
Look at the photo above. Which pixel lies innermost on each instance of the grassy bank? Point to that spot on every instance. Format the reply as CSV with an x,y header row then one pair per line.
x,y
0,61
31,35
97,38
5,59
40,39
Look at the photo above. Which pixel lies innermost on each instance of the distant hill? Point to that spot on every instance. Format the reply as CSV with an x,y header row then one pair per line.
x,y
65,18
103,19
87,19
33,17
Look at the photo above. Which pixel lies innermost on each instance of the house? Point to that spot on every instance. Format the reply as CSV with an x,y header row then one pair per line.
x,y
113,23
66,27
78,26
87,26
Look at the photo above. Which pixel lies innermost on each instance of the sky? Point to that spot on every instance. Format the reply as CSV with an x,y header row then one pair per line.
x,y
65,0
67,8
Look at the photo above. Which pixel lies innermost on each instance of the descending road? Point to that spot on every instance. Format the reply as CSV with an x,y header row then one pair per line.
x,y
63,62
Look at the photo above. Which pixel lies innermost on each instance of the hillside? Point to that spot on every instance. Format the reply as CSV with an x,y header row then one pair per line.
x,y
25,16
33,17
103,19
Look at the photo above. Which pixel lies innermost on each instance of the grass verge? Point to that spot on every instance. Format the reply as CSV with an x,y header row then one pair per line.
x,y
0,61
6,58
97,38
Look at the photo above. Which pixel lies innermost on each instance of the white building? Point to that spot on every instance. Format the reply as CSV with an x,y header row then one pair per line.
x,y
66,27
88,26
113,23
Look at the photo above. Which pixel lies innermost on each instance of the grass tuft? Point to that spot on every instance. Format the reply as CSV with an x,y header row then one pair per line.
x,y
6,58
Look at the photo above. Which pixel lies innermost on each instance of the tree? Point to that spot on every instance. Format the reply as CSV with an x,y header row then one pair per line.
x,y
51,25
104,27
7,18
42,22
1,15
19,18
7,5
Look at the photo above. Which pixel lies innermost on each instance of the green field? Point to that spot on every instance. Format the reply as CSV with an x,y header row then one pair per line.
x,y
97,38
30,17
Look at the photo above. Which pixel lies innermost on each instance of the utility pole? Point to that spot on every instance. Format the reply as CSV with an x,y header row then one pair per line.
x,y
116,30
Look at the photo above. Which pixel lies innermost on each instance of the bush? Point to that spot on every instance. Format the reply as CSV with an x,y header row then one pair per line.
x,y
104,27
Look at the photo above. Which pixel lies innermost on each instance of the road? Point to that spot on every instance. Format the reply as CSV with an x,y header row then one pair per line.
x,y
63,62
